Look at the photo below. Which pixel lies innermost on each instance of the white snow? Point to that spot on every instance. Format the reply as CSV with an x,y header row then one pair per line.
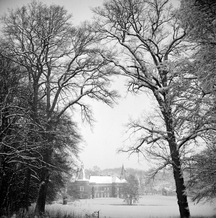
x,y
105,179
148,206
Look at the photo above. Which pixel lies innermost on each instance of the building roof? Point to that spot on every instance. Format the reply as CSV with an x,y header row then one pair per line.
x,y
106,179
100,179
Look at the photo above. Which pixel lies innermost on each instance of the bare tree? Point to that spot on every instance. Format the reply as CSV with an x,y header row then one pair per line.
x,y
64,66
151,51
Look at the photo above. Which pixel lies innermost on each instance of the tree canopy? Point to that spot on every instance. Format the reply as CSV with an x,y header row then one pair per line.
x,y
50,69
131,190
152,49
198,18
61,66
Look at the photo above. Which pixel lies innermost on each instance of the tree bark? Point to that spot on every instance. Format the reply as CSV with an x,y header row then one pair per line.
x,y
27,188
180,186
164,103
45,174
177,169
42,193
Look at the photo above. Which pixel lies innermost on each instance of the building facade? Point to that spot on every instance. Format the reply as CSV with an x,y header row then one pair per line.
x,y
99,186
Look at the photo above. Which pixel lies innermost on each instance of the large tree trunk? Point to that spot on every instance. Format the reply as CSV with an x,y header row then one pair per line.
x,y
174,152
180,187
27,188
42,193
177,169
45,174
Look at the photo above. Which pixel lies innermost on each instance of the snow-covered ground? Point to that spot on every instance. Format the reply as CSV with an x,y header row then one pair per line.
x,y
148,206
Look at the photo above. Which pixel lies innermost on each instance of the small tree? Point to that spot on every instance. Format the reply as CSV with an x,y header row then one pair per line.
x,y
131,190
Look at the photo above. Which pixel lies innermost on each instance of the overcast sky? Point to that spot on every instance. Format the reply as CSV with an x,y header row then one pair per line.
x,y
108,133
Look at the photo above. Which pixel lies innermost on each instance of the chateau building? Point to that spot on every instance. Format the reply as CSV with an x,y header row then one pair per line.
x,y
100,186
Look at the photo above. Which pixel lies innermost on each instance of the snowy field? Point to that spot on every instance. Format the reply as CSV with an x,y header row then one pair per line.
x,y
147,207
